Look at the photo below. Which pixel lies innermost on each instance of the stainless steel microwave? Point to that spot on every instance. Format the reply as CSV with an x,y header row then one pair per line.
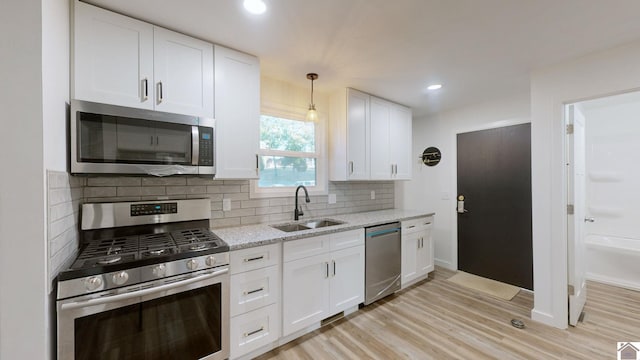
x,y
108,139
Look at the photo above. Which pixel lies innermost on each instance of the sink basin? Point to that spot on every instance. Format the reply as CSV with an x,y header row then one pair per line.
x,y
290,227
313,224
321,223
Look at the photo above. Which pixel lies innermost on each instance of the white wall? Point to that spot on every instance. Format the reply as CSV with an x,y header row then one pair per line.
x,y
434,188
23,303
604,73
612,151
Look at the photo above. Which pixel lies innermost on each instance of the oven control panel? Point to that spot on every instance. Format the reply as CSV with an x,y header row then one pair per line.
x,y
154,209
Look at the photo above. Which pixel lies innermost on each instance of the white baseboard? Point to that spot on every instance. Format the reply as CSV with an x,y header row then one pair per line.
x,y
613,281
445,264
548,319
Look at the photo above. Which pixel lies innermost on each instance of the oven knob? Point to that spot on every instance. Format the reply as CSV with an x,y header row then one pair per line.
x,y
159,270
120,278
211,260
192,264
93,283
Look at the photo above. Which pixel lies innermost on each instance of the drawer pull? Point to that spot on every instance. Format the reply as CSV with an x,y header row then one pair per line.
x,y
253,291
411,227
254,258
427,223
247,334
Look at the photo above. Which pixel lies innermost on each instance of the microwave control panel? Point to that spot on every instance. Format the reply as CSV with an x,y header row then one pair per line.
x,y
206,146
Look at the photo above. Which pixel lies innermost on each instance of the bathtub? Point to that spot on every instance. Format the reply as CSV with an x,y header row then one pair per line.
x,y
613,260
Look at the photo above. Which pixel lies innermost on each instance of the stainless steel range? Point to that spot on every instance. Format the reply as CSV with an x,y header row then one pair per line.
x,y
151,281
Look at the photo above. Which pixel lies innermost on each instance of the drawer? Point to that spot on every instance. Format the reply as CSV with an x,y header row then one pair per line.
x,y
420,224
302,248
347,239
254,258
254,289
254,329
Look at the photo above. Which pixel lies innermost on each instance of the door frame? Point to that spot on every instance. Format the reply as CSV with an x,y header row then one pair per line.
x,y
454,177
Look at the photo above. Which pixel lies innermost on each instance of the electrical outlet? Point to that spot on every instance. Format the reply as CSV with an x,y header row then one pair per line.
x,y
226,204
373,194
332,199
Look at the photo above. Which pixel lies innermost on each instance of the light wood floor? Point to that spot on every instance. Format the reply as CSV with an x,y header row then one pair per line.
x,y
437,319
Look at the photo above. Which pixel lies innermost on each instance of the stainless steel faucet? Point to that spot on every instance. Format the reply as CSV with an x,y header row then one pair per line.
x,y
298,212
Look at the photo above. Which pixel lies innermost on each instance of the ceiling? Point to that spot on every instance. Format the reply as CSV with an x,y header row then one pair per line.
x,y
478,49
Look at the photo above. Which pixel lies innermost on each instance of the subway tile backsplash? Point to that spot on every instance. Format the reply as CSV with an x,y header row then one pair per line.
x,y
66,193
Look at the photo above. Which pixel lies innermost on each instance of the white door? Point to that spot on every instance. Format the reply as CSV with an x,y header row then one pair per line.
x,y
358,136
237,94
400,142
347,279
410,262
112,58
576,197
183,74
425,253
381,166
305,292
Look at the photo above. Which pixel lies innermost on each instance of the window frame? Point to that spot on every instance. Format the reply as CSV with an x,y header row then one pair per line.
x,y
296,114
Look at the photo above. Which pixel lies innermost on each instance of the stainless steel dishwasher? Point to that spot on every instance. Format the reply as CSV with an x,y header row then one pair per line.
x,y
382,261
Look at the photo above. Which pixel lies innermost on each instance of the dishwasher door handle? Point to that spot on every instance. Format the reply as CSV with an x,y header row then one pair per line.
x,y
382,232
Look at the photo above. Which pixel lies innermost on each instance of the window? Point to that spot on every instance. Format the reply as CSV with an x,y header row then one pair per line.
x,y
290,155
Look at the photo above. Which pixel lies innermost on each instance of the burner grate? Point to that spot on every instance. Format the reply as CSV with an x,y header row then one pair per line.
x,y
195,239
110,248
154,245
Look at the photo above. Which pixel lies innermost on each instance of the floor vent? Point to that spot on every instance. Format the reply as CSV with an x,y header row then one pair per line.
x,y
331,319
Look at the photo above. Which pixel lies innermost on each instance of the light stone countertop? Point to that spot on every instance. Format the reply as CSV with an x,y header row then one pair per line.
x,y
242,237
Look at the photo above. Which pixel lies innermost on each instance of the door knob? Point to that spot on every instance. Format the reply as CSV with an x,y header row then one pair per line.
x,y
589,219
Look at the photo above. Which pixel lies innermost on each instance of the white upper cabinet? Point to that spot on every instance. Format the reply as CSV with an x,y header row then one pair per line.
x,y
400,142
349,124
237,98
183,74
382,167
370,138
122,61
112,57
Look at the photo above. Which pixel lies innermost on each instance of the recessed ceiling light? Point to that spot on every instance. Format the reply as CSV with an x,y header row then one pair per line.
x,y
255,6
434,87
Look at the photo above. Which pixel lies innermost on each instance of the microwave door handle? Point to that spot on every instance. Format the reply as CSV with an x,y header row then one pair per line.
x,y
195,145
134,294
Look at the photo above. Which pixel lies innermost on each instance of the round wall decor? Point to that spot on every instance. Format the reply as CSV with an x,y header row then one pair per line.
x,y
431,156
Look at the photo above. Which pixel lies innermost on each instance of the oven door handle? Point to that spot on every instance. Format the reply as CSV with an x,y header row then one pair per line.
x,y
134,294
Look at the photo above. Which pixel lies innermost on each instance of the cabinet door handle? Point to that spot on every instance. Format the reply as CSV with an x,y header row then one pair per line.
x,y
160,94
257,166
418,243
145,89
326,264
334,267
254,258
350,167
391,169
247,334
253,291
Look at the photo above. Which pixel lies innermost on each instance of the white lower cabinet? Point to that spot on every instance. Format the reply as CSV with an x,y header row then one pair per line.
x,y
318,286
254,329
254,298
417,250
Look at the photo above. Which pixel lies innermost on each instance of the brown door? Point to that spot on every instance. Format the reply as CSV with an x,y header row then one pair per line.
x,y
494,232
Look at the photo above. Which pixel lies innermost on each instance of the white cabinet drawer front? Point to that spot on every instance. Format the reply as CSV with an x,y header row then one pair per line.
x,y
254,329
347,239
298,249
254,289
254,258
417,224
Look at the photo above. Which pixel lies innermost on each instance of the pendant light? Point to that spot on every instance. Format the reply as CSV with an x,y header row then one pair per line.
x,y
312,114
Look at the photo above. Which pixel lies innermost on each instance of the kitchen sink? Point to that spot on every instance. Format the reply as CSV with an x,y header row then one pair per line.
x,y
312,224
290,227
321,223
